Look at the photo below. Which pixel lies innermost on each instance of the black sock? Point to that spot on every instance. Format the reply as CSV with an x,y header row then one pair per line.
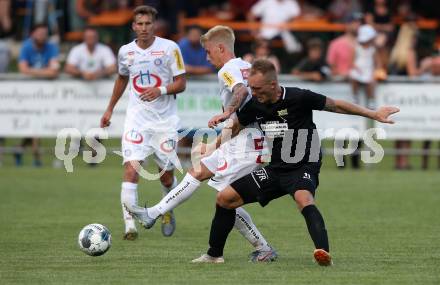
x,y
221,226
316,226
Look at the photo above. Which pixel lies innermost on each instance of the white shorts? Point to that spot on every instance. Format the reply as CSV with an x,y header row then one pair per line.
x,y
228,167
138,145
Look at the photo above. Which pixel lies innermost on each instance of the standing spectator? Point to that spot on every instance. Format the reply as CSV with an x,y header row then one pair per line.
x,y
194,55
365,61
39,59
313,67
273,13
90,60
261,50
378,15
403,61
341,50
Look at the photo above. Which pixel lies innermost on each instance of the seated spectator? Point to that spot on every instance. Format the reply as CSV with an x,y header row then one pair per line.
x,y
39,58
194,55
313,67
262,51
90,60
273,13
403,61
340,52
5,30
430,65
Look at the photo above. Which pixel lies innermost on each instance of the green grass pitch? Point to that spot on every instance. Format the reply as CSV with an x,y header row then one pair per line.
x,y
384,228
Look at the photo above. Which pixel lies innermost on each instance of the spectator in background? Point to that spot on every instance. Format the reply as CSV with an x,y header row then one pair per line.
x,y
313,67
403,61
276,12
194,55
90,60
39,58
365,62
5,30
261,50
378,15
340,52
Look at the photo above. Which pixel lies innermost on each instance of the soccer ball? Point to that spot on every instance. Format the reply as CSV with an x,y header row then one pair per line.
x,y
94,239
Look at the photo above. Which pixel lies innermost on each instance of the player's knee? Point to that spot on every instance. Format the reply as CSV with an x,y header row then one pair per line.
x,y
223,201
303,198
167,179
130,173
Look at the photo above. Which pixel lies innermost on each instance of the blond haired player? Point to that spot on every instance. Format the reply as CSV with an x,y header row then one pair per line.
x,y
233,160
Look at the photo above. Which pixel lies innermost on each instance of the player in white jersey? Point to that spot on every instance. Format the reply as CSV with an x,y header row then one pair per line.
x,y
234,159
155,70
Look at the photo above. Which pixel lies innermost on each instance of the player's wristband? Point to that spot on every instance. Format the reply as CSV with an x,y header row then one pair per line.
x,y
163,90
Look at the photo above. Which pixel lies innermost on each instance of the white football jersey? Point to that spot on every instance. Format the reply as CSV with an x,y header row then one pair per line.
x,y
233,72
152,67
236,71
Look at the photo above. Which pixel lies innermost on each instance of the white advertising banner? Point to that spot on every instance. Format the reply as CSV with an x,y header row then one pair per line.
x,y
419,116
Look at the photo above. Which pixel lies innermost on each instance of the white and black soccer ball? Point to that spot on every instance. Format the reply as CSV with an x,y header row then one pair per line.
x,y
94,239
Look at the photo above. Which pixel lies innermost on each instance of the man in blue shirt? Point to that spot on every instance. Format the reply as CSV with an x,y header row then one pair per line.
x,y
193,53
38,57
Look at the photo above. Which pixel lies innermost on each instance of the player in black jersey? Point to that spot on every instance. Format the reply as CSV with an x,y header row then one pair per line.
x,y
285,116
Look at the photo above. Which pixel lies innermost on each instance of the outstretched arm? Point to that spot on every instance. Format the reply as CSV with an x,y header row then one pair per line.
x,y
343,107
239,93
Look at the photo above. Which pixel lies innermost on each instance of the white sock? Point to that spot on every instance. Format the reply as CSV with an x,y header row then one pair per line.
x,y
244,224
129,196
175,197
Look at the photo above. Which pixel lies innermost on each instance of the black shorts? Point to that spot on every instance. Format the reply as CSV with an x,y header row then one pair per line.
x,y
266,184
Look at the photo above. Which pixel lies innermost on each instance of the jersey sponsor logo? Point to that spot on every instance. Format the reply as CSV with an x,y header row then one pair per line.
x,y
245,72
282,112
227,77
147,79
157,61
259,143
157,52
223,167
179,60
130,58
274,129
133,136
168,146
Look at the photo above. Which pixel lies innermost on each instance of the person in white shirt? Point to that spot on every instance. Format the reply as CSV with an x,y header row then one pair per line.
x,y
274,13
156,72
235,159
90,60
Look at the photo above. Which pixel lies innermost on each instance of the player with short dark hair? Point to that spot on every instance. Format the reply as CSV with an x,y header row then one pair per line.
x,y
285,114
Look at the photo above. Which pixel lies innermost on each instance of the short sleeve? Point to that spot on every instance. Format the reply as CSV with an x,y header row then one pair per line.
x,y
53,52
312,100
176,60
24,53
331,54
73,58
230,76
108,56
247,114
258,8
122,63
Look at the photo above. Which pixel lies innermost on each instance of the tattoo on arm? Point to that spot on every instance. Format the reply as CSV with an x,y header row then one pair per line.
x,y
330,105
239,93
